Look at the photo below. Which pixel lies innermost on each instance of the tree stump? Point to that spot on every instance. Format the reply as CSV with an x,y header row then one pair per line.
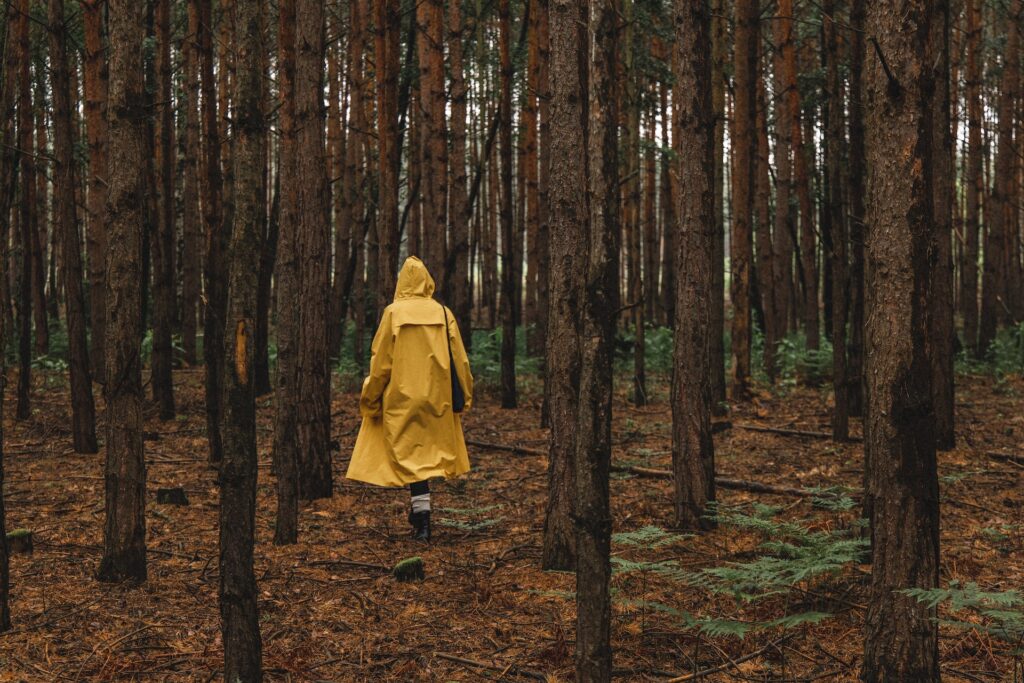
x,y
410,569
172,496
20,541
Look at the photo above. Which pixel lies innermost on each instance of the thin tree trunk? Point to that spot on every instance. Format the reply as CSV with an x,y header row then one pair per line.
x,y
40,216
124,534
528,162
210,191
509,253
599,300
1000,220
901,641
95,82
387,22
693,452
286,437
741,243
240,626
163,239
191,248
567,242
856,165
314,378
765,278
83,412
834,108
719,57
26,212
430,43
456,285
942,334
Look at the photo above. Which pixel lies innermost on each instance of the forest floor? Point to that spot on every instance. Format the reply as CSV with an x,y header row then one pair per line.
x,y
330,610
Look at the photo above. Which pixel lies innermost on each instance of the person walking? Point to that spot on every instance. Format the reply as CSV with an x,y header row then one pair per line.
x,y
419,384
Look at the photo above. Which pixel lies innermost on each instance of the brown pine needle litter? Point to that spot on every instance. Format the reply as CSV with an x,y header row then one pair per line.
x,y
330,609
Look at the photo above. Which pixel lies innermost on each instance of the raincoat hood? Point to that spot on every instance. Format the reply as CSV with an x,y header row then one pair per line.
x,y
414,280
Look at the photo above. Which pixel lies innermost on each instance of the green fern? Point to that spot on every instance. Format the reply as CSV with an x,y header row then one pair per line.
x,y
1002,612
649,537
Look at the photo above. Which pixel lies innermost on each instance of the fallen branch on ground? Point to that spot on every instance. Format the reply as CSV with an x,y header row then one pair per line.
x,y
1017,460
721,482
510,668
791,432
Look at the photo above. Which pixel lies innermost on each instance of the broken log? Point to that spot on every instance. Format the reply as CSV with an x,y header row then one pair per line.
x,y
171,496
20,541
1017,460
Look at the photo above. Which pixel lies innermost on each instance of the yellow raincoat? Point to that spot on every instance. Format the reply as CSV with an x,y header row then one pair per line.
x,y
409,431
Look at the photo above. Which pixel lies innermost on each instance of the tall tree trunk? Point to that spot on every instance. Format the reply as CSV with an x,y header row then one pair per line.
x,y
901,641
669,216
528,161
567,242
338,139
741,242
542,10
95,83
765,279
83,413
599,300
719,57
5,571
856,166
268,257
693,452
430,43
387,27
314,378
210,190
124,535
456,285
40,215
942,334
163,242
1000,220
973,177
286,399
26,213
784,220
240,626
509,253
834,108
191,243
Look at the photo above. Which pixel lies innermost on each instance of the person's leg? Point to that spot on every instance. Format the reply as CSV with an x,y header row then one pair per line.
x,y
419,517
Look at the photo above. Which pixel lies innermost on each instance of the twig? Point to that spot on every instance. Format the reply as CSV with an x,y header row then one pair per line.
x,y
721,482
1017,460
536,675
728,665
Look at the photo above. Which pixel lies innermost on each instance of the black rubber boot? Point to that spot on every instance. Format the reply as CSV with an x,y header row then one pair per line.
x,y
420,525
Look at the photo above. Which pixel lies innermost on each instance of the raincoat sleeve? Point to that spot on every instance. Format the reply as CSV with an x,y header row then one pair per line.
x,y
371,399
461,360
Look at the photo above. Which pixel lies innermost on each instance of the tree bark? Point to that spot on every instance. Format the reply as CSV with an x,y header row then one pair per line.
x,y
693,452
942,334
124,534
240,627
995,300
457,289
719,57
191,243
509,253
765,278
314,379
163,242
286,399
387,27
834,138
901,635
973,180
567,242
211,193
95,84
83,412
430,43
26,213
856,166
599,301
741,242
